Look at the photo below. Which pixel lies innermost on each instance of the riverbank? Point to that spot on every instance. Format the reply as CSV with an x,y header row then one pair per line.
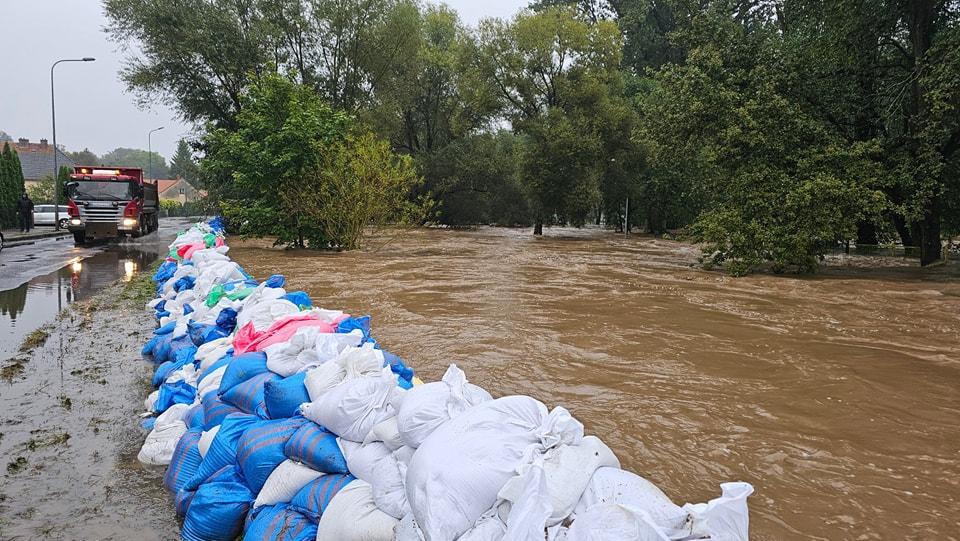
x,y
69,439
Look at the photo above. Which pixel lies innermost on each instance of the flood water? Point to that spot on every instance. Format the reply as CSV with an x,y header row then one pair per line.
x,y
837,395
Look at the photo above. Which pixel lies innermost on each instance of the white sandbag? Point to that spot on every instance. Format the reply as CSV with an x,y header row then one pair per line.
x,y
215,273
615,486
207,256
173,414
188,373
725,518
376,464
353,516
300,353
160,444
351,409
613,522
350,363
407,529
151,400
329,346
284,483
327,316
488,528
426,407
546,491
206,438
211,383
386,432
456,473
262,308
211,352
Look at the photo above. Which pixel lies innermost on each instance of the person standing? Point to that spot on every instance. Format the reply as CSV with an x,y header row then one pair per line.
x,y
25,212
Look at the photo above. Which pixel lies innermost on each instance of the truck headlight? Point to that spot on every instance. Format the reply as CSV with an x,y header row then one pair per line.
x,y
129,222
75,221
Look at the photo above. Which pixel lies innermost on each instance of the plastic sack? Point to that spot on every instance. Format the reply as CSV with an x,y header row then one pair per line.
x,y
211,382
314,498
349,363
218,509
455,475
352,408
279,523
353,516
426,407
242,368
614,522
375,464
387,432
301,351
160,444
283,397
184,462
616,486
260,449
206,438
317,448
179,392
283,484
249,395
223,449
215,410
725,518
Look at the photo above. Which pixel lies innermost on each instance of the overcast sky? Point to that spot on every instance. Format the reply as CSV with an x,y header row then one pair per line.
x,y
93,110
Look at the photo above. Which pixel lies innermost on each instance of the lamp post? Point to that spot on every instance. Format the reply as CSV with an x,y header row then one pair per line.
x,y
53,115
150,152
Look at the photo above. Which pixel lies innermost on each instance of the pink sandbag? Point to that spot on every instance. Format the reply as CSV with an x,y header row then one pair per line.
x,y
248,339
219,242
192,249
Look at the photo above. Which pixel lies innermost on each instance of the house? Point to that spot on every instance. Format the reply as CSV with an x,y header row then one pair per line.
x,y
179,190
36,160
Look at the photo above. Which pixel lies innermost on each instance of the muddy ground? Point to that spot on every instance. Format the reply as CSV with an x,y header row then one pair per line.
x,y
69,432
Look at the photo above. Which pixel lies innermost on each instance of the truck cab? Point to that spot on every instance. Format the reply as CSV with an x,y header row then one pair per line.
x,y
110,202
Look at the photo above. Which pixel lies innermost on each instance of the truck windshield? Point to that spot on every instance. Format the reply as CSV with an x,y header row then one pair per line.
x,y
99,190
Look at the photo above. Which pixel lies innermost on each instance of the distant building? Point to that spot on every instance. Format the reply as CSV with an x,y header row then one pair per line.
x,y
36,159
180,190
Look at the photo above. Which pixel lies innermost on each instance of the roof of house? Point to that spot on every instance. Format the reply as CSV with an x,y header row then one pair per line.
x,y
165,184
36,159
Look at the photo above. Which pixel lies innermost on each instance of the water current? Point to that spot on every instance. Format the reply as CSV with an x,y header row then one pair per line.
x,y
836,395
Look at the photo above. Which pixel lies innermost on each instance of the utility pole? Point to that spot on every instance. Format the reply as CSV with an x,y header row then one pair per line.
x,y
150,152
53,115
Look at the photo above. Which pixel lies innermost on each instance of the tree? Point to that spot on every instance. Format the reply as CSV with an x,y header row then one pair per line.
x,y
135,157
84,157
183,166
11,185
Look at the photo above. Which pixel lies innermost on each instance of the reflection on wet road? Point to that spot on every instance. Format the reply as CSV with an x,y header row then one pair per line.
x,y
837,395
37,281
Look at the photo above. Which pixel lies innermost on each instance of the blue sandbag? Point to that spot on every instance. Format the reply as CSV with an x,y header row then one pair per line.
x,y
227,319
218,508
185,461
151,344
187,309
162,314
223,361
165,272
284,396
180,392
184,283
249,395
279,523
354,323
277,280
182,499
180,359
148,423
260,449
317,448
215,410
299,298
397,366
167,347
201,333
243,368
166,329
315,496
194,416
223,448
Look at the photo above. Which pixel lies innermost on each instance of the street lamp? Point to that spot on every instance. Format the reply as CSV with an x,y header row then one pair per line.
x,y
53,114
150,152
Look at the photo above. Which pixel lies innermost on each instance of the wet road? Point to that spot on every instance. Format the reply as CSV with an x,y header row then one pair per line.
x,y
37,281
837,395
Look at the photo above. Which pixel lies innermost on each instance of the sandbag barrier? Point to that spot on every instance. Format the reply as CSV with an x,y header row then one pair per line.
x,y
278,419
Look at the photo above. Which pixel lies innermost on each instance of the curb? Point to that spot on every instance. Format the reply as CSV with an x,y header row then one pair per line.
x,y
32,239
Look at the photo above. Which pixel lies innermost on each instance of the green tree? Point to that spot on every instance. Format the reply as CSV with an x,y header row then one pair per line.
x,y
183,166
41,192
135,157
84,157
11,184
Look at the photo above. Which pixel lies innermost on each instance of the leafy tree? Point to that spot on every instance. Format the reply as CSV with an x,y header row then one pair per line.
x,y
11,185
84,157
42,191
134,157
183,166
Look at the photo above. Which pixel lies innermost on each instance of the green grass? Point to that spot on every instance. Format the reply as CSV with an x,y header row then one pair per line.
x,y
35,339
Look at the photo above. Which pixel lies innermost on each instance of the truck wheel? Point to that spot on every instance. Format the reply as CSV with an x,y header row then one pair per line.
x,y
79,238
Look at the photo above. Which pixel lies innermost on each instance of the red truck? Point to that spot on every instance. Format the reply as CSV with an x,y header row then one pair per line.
x,y
111,202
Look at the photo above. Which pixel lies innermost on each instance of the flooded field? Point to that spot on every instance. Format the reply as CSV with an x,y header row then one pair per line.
x,y
837,396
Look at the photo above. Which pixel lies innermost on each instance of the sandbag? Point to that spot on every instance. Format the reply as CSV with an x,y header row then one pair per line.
x,y
307,348
317,448
206,438
160,444
283,484
279,523
615,486
223,449
283,397
242,368
426,407
387,432
249,396
348,364
218,508
456,473
184,462
260,449
725,518
376,464
353,516
215,410
352,408
614,522
314,498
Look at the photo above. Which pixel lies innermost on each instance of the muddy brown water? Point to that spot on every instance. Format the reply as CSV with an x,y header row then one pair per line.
x,y
837,396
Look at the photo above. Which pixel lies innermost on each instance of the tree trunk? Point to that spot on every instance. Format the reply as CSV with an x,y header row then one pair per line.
x,y
900,224
931,246
538,227
867,234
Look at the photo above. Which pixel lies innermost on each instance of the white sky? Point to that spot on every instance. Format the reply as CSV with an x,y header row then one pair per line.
x,y
97,113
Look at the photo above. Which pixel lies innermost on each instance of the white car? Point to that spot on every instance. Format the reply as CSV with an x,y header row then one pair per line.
x,y
43,215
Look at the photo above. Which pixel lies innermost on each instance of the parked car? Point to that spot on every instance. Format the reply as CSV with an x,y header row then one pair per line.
x,y
43,215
